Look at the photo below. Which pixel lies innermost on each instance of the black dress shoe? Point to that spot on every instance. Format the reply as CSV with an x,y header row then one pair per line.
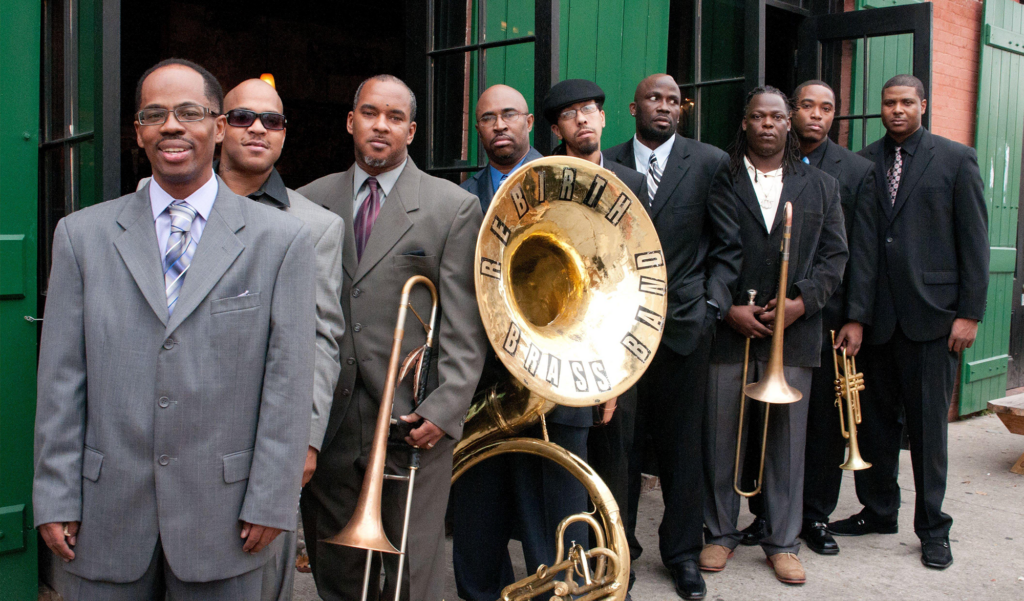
x,y
862,524
816,535
689,583
935,553
753,533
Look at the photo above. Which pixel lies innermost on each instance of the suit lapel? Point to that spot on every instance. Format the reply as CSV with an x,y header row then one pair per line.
x,y
140,250
833,156
345,203
674,172
392,222
748,198
876,155
792,185
918,165
485,188
218,248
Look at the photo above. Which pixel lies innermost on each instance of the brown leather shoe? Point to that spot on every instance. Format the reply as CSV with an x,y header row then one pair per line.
x,y
788,568
713,558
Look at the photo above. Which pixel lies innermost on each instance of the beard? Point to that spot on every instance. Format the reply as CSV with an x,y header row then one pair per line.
x,y
648,131
507,155
375,162
586,147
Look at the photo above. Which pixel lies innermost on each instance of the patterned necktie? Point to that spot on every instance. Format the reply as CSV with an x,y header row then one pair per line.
x,y
653,178
366,215
894,174
180,248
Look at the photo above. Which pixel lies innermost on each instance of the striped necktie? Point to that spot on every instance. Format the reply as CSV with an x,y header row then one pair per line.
x,y
366,215
180,248
653,178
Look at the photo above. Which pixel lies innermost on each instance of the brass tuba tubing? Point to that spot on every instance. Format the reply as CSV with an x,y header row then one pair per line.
x,y
365,529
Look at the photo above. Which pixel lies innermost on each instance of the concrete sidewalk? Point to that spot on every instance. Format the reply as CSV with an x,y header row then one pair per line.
x,y
984,498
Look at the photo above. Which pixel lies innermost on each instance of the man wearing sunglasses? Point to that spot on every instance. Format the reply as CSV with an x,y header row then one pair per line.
x,y
252,144
175,372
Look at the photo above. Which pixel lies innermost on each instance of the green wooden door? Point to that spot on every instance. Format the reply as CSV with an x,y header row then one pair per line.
x,y
998,135
19,153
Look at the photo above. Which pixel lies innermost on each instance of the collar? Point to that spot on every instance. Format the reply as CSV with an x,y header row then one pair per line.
x,y
642,154
386,181
818,154
201,200
497,175
908,146
755,171
273,190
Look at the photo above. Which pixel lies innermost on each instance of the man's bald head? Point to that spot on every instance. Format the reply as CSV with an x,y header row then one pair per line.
x,y
504,122
656,108
253,90
249,152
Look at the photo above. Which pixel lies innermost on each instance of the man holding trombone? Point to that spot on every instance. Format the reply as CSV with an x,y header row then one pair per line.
x,y
782,203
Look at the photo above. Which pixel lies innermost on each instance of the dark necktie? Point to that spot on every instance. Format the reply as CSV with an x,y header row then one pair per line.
x,y
365,217
894,174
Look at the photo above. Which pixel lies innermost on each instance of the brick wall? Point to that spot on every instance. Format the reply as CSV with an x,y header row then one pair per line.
x,y
956,39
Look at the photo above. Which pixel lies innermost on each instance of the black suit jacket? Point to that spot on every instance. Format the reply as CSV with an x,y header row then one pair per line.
x,y
694,212
480,183
852,300
933,249
818,255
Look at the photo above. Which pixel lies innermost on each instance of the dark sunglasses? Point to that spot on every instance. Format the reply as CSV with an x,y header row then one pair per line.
x,y
245,118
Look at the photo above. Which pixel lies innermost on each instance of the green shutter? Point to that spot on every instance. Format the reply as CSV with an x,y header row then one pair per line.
x,y
19,237
998,141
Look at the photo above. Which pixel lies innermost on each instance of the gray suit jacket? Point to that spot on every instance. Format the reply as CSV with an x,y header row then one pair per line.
x,y
182,427
427,226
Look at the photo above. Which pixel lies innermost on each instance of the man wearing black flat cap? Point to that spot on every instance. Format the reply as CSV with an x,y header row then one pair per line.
x,y
574,107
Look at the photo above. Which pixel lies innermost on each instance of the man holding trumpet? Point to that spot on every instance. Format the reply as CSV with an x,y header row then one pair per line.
x,y
778,194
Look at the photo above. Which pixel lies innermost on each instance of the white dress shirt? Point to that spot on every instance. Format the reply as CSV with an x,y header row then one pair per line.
x,y
385,182
768,188
201,200
642,154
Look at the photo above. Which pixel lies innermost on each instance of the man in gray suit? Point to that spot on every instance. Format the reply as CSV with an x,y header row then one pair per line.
x,y
405,223
176,371
252,145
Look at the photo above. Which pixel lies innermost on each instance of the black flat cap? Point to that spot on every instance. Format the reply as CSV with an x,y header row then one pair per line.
x,y
568,92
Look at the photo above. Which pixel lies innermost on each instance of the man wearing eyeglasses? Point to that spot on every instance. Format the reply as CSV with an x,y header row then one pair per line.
x,y
175,373
252,145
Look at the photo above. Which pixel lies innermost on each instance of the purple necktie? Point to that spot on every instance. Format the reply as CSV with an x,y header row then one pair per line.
x,y
365,217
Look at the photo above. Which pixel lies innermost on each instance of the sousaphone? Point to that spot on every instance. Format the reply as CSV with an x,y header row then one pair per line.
x,y
571,285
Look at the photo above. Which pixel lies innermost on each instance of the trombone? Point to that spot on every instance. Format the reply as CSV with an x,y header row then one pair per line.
x,y
848,385
365,529
772,388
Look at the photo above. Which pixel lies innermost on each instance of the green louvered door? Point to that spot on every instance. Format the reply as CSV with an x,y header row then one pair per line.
x,y
998,140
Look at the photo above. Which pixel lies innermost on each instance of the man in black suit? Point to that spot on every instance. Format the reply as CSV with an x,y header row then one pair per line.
x,y
514,494
574,107
693,206
767,174
933,255
814,109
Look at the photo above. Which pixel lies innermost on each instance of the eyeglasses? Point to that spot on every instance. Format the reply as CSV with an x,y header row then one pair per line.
x,y
586,109
184,114
509,116
245,118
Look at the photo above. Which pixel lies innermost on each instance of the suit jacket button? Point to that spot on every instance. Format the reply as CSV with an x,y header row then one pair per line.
x,y
889,239
346,392
356,292
169,343
164,460
164,401
357,327
351,361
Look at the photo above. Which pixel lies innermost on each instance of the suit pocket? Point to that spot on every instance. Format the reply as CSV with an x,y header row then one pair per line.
x,y
941,277
689,207
92,461
236,466
406,266
690,291
235,303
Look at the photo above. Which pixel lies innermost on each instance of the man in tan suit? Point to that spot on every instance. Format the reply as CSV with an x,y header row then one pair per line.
x,y
404,223
252,144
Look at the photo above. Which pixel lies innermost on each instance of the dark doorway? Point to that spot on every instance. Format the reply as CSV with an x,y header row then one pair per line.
x,y
317,52
1015,367
780,48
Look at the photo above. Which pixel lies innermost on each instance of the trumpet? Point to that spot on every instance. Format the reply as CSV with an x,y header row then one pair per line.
x,y
848,385
365,529
772,389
